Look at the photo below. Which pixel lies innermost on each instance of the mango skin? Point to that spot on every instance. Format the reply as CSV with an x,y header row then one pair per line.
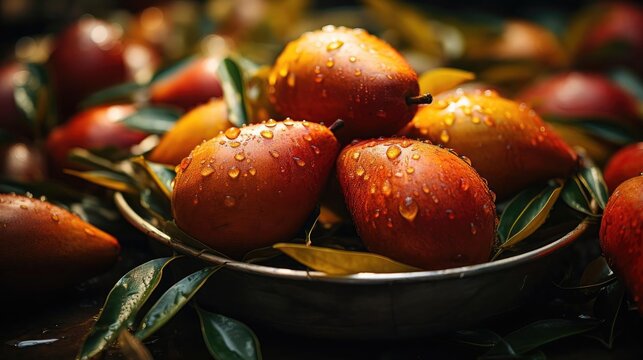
x,y
252,191
508,143
45,247
87,57
200,124
625,164
426,207
576,95
194,84
348,74
621,235
94,128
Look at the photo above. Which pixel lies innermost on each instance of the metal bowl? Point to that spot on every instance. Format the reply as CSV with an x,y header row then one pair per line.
x,y
367,305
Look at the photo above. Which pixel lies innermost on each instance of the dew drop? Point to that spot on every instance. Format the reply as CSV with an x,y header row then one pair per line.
x,y
386,187
410,170
274,153
271,123
334,45
235,144
449,119
352,59
330,63
355,155
291,80
267,134
373,189
315,149
299,161
233,172
185,163
232,133
408,208
393,152
229,201
425,188
240,156
360,171
466,159
389,223
444,136
307,137
283,72
450,214
473,229
415,156
55,217
89,232
464,185
252,171
358,72
488,121
289,122
207,171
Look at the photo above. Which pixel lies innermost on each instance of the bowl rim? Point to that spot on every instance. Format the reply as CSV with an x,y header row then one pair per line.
x,y
361,278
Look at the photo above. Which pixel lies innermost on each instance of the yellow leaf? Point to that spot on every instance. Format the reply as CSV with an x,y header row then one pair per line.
x,y
439,80
103,181
341,262
537,221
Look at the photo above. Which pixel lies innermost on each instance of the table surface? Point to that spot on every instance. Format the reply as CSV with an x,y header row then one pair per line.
x,y
68,317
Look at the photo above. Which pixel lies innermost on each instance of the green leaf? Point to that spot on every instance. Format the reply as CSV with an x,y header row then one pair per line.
x,y
94,162
176,234
484,338
170,70
574,196
233,91
160,175
172,301
542,332
526,213
592,178
123,302
228,339
608,130
113,94
28,94
153,120
109,180
341,262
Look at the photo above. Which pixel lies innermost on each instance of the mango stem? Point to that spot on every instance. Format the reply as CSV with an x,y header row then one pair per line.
x,y
420,99
338,124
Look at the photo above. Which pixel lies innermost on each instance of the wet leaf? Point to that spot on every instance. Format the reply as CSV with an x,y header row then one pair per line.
x,y
439,80
132,348
106,179
574,196
341,262
172,301
228,339
526,213
153,120
114,94
123,302
592,179
234,92
542,332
